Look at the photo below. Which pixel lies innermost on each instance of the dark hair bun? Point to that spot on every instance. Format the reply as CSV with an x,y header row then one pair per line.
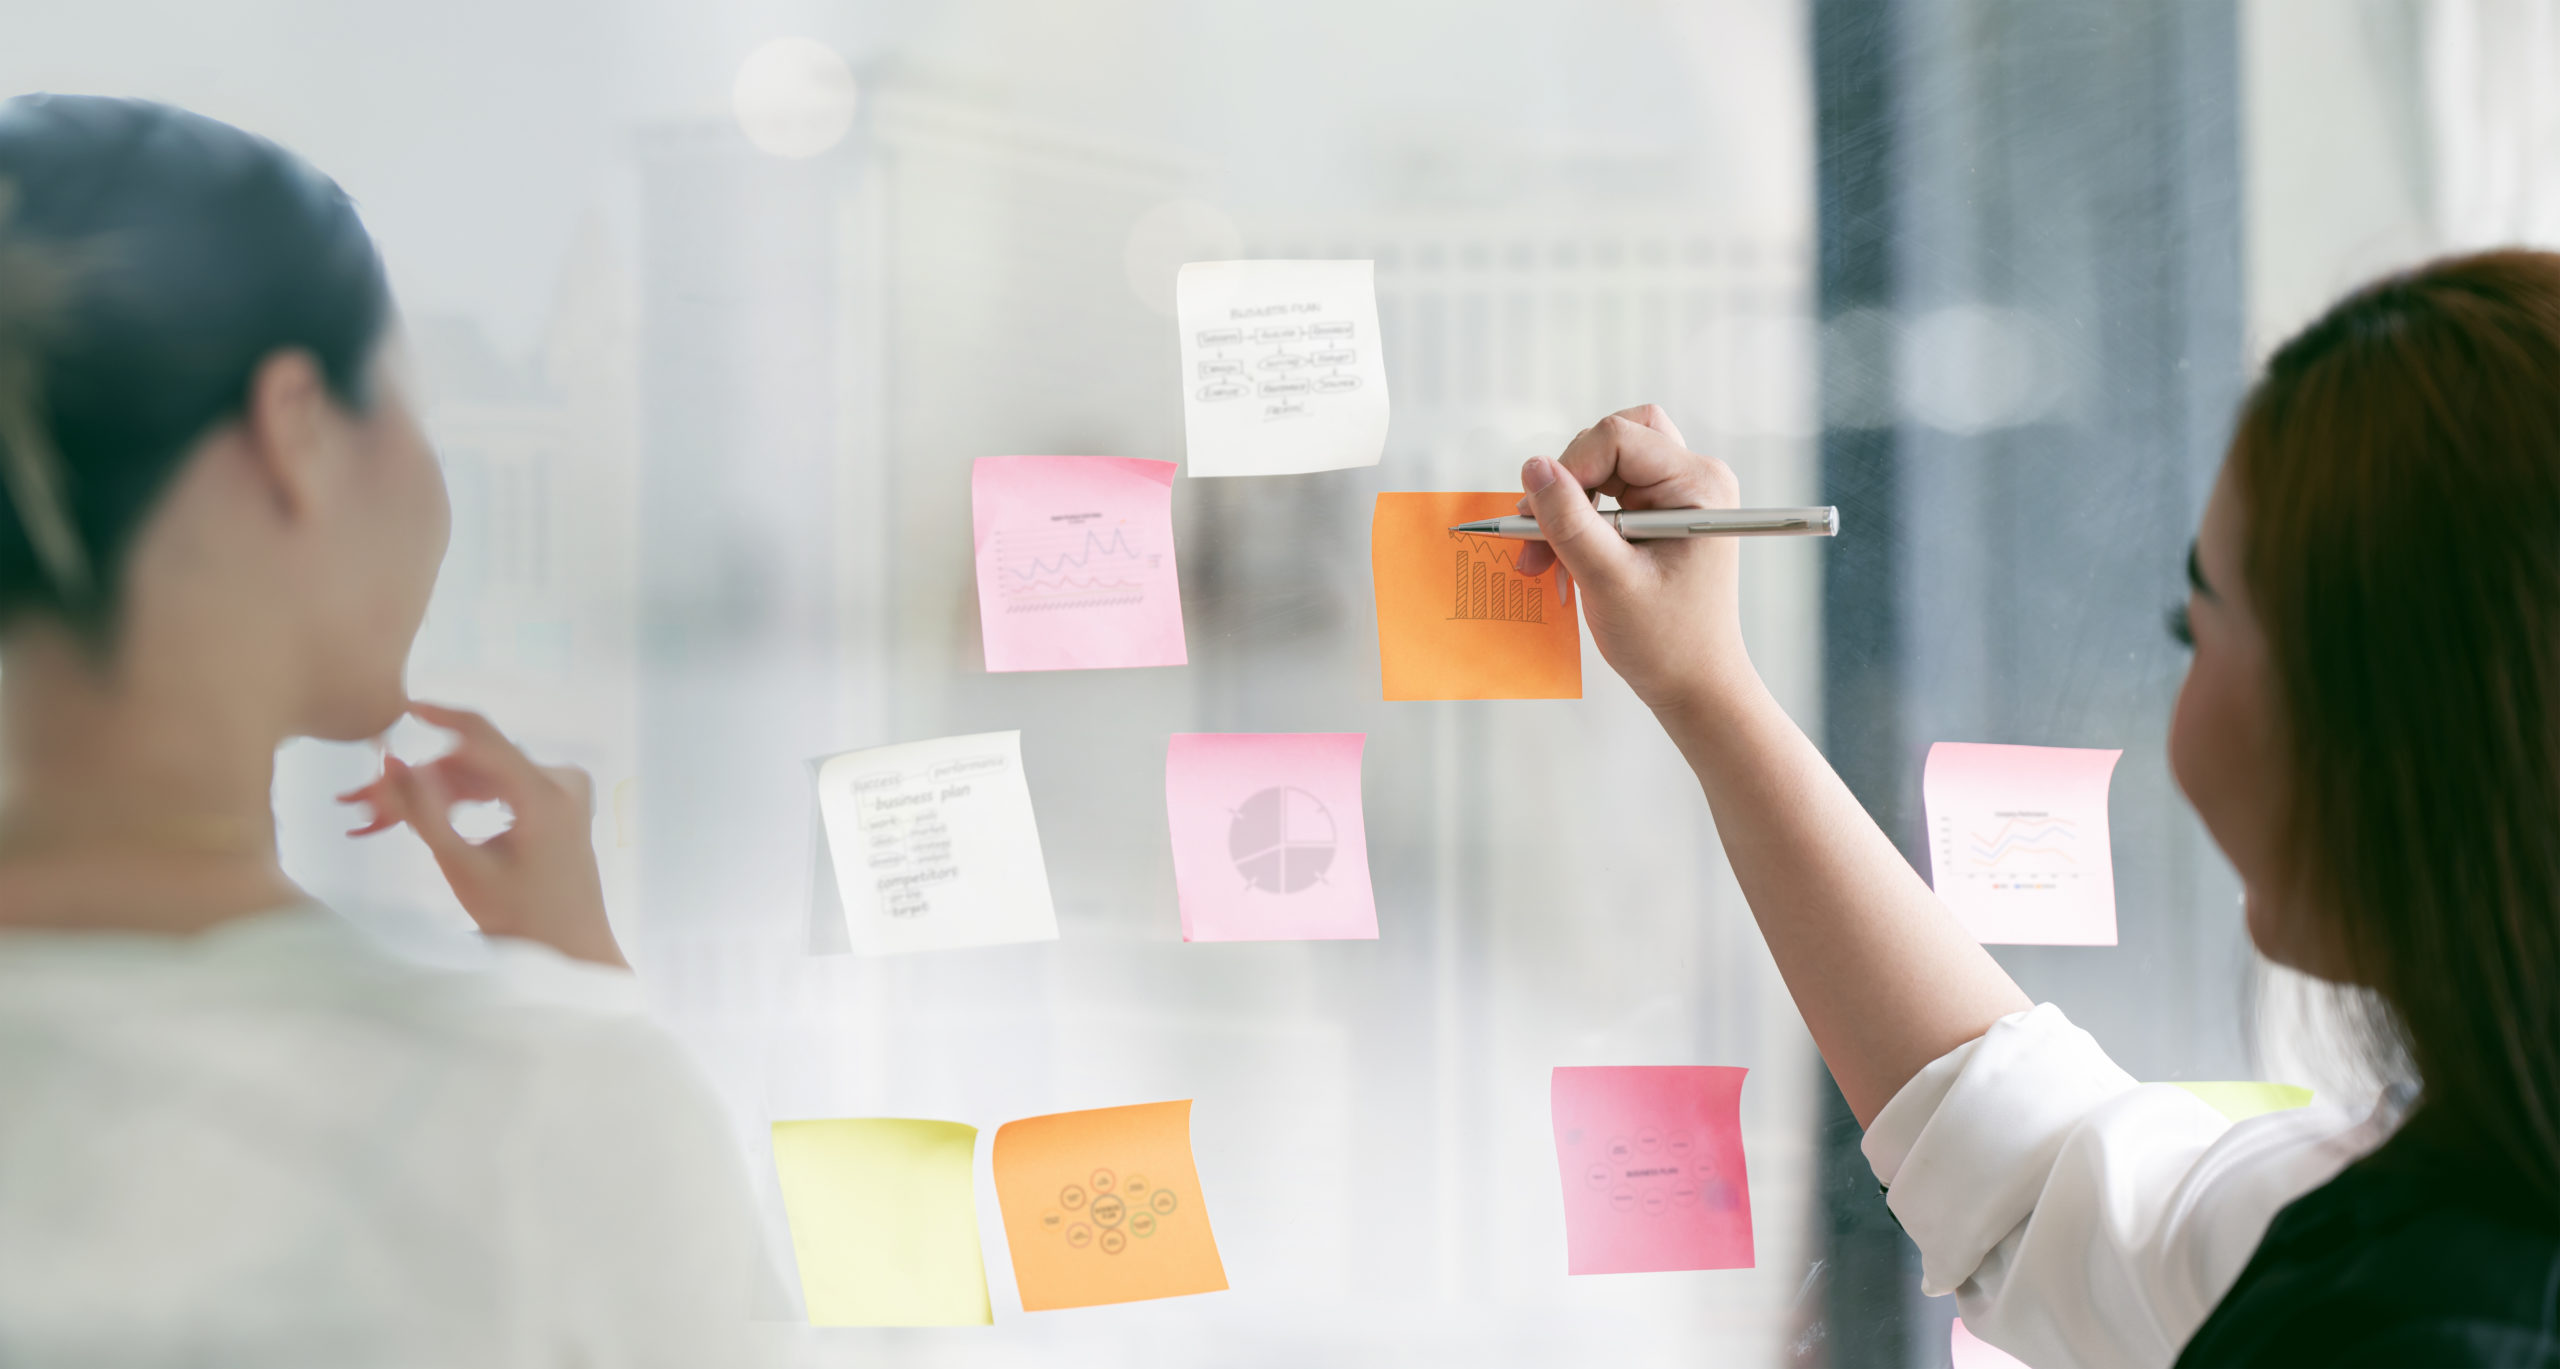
x,y
150,259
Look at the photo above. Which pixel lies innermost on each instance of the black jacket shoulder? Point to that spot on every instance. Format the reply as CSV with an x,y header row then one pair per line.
x,y
2408,1259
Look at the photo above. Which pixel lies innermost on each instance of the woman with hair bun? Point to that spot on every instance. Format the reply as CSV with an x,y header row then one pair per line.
x,y
233,1130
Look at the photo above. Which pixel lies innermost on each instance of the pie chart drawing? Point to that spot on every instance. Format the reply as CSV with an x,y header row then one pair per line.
x,y
1282,840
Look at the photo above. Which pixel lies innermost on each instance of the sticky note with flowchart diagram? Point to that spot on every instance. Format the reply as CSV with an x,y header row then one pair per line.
x,y
935,846
1282,368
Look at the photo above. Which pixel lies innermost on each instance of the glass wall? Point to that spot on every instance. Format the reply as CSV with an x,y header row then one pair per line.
x,y
1988,274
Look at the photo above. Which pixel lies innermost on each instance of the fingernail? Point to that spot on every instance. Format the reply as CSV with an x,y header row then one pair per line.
x,y
1536,474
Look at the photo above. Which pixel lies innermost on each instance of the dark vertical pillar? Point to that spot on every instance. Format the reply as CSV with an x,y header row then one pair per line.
x,y
1852,1314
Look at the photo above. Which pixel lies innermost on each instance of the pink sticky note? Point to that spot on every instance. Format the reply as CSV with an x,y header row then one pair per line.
x,y
2018,842
1075,562
1969,1351
1268,841
1652,1161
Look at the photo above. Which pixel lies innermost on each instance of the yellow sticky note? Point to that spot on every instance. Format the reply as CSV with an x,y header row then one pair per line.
x,y
1456,619
1104,1206
2243,1099
884,1218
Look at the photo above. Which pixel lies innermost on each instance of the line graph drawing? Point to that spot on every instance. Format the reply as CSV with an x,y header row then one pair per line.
x,y
2009,851
2026,835
1076,566
1487,586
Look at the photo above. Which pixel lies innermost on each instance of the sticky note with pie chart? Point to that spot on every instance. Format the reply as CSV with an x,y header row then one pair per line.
x,y
1268,839
1652,1163
1456,619
1104,1206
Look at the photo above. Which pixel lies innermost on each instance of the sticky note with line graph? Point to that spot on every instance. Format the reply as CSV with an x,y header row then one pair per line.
x,y
1075,562
1456,619
2018,842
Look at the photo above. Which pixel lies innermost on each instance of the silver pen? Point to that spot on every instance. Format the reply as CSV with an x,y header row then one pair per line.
x,y
1637,524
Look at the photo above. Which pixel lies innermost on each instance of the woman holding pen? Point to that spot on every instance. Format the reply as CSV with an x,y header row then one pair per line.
x,y
2370,730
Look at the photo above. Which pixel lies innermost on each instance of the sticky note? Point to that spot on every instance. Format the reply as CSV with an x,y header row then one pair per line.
x,y
1652,1164
1105,1206
1456,619
884,1220
934,845
1282,371
2018,842
1969,1351
626,811
2243,1099
1075,562
1268,840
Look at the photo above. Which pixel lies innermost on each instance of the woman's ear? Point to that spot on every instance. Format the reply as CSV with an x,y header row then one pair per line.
x,y
286,427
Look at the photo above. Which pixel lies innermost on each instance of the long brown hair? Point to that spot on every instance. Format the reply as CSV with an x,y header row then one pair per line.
x,y
2399,466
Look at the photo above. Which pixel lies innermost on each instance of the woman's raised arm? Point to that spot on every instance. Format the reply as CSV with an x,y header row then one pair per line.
x,y
1884,975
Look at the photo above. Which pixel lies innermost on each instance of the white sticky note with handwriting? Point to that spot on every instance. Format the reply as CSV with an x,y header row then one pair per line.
x,y
1282,370
934,845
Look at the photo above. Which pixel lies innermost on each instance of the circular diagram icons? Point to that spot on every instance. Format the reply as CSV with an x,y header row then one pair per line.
x,y
1106,1212
1282,840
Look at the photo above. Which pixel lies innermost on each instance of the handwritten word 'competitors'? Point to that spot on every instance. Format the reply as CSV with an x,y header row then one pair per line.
x,y
1282,371
934,845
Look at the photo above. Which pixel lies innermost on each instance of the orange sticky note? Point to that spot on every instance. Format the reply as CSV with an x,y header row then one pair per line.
x,y
1455,620
1104,1206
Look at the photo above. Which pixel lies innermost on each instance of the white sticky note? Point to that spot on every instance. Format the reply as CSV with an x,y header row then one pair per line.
x,y
934,845
2018,842
1282,371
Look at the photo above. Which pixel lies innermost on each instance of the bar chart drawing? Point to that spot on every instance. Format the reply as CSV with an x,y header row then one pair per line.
x,y
1487,588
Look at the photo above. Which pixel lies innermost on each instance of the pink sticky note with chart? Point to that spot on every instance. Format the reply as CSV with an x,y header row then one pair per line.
x,y
1966,1350
1075,562
1268,839
1652,1163
2018,842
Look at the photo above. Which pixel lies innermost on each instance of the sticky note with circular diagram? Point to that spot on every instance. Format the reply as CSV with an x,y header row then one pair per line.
x,y
1104,1206
1456,619
1652,1166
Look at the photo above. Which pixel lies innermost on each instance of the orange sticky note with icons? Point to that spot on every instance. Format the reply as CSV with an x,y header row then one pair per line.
x,y
1104,1206
1456,619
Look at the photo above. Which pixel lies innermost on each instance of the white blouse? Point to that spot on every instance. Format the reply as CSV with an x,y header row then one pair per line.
x,y
278,1144
2081,1218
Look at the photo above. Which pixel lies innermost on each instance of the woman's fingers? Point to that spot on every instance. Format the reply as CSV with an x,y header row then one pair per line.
x,y
428,809
481,744
1645,467
1570,528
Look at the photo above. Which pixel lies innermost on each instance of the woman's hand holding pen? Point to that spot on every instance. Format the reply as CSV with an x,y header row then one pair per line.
x,y
1666,614
536,880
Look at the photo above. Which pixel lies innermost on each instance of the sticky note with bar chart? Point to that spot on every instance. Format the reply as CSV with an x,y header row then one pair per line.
x,y
1456,618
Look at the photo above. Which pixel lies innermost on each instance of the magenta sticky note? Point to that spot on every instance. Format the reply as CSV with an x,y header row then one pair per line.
x,y
1268,841
1075,562
2018,842
1966,1350
1652,1162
